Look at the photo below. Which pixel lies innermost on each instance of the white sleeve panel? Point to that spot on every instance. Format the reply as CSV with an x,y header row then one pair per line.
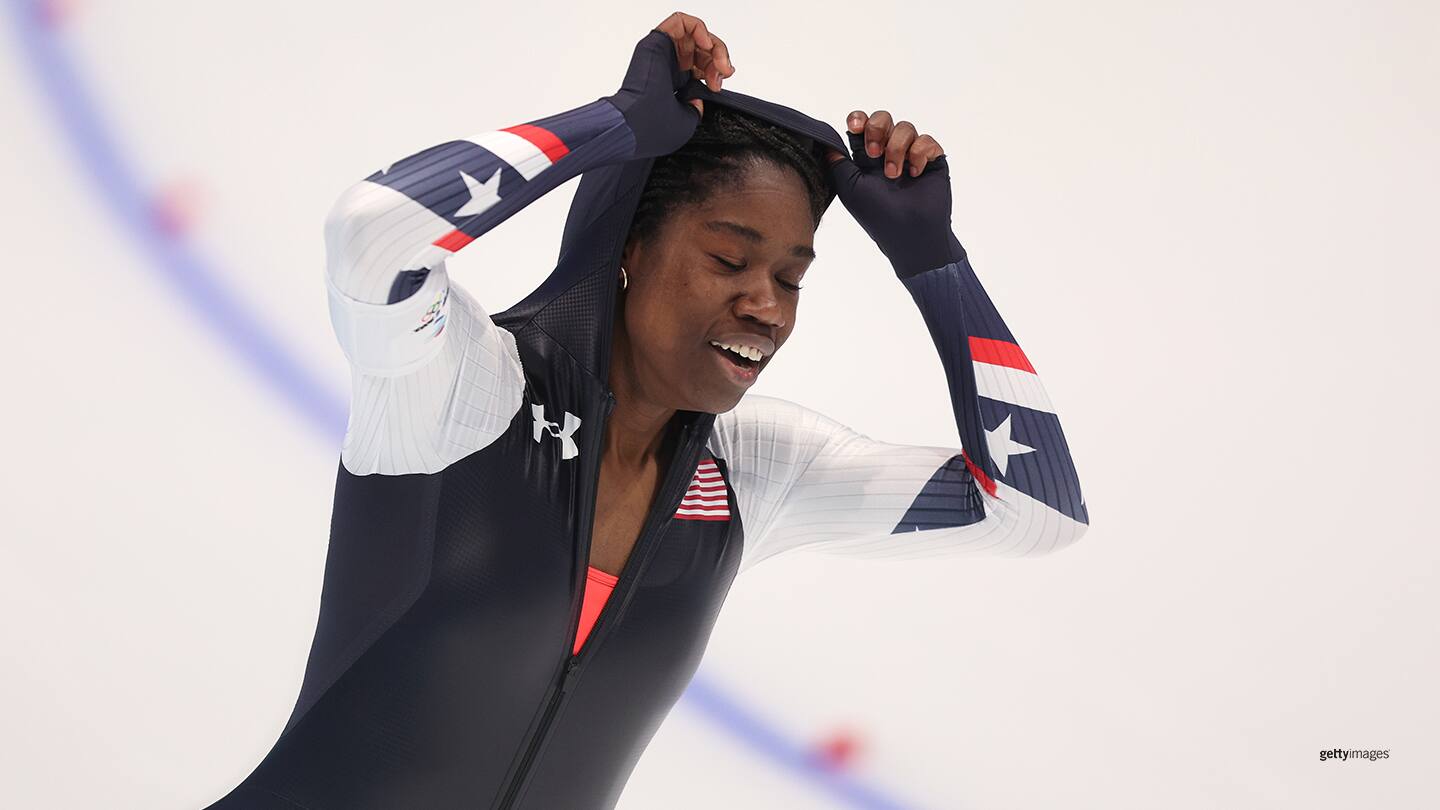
x,y
388,340
434,378
803,480
457,402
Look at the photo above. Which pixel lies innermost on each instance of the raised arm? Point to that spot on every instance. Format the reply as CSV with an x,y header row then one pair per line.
x,y
387,233
415,340
1010,488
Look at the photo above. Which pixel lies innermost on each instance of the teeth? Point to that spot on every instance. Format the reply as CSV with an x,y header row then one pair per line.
x,y
749,352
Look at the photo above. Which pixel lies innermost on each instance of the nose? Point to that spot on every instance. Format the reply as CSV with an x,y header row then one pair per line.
x,y
760,303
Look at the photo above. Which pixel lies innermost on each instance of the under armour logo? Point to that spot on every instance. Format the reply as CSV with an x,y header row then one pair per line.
x,y
568,449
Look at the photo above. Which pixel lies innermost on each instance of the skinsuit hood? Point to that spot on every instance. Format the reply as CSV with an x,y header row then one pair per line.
x,y
575,305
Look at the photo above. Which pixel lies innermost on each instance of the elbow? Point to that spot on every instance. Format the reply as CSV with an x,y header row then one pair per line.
x,y
1052,537
355,205
1067,535
356,219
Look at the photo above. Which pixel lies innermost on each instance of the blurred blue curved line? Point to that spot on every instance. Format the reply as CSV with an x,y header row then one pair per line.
x,y
201,288
703,695
177,263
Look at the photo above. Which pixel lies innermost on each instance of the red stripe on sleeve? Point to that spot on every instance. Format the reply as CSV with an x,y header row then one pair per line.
x,y
453,240
543,139
985,480
999,353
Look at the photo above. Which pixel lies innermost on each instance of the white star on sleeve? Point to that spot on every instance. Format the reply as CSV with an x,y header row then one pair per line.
x,y
1002,447
482,195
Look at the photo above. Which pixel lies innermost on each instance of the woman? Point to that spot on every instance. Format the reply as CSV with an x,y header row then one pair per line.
x,y
538,513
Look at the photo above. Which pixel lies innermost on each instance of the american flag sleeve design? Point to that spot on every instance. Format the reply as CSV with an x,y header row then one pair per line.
x,y
434,378
803,480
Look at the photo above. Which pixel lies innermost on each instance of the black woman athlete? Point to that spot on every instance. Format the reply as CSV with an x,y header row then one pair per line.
x,y
538,513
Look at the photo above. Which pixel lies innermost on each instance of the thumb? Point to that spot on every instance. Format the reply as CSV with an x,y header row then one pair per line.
x,y
698,105
831,156
844,174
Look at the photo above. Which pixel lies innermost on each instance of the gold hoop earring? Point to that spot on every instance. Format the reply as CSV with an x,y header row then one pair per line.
x,y
624,279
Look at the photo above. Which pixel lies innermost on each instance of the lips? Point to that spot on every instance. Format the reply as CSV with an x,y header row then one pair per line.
x,y
734,366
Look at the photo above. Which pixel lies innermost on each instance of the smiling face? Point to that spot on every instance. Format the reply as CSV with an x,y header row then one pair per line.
x,y
721,271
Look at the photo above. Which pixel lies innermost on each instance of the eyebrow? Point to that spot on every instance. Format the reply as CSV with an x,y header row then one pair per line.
x,y
752,235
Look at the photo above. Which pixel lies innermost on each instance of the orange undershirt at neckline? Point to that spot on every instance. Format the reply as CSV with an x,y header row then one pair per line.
x,y
598,587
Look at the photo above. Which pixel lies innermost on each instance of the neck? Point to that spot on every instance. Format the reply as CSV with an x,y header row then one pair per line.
x,y
635,432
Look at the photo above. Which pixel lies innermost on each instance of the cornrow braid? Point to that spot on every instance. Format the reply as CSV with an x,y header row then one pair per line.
x,y
724,145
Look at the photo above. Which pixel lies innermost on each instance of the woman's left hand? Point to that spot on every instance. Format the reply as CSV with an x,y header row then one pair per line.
x,y
902,146
898,189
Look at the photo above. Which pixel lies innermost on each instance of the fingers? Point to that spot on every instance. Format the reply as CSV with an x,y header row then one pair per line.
x,y
901,137
719,58
675,26
696,28
708,69
877,132
899,143
922,151
702,53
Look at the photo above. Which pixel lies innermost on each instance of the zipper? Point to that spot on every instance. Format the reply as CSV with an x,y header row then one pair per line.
x,y
539,735
640,556
682,469
559,690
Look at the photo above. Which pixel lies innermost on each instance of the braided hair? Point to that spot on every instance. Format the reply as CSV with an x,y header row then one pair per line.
x,y
725,144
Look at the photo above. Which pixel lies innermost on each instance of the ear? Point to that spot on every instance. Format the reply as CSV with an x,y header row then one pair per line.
x,y
630,258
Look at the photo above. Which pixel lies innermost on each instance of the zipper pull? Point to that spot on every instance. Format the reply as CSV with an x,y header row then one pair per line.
x,y
569,670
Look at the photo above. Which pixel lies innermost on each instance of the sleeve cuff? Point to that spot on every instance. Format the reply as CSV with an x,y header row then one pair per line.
x,y
392,339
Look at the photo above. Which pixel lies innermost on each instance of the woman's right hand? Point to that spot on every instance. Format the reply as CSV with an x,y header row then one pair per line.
x,y
664,61
702,53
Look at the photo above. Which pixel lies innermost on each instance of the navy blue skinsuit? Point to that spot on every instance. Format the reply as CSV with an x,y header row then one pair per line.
x,y
441,673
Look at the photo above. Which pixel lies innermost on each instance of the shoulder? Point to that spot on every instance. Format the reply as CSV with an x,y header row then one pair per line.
x,y
771,428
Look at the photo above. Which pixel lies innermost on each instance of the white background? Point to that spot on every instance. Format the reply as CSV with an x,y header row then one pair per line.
x,y
1210,225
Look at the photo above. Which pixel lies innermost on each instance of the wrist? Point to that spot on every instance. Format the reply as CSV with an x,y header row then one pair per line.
x,y
658,119
922,253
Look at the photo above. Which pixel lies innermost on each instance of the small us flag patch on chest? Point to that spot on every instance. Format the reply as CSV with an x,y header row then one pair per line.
x,y
707,498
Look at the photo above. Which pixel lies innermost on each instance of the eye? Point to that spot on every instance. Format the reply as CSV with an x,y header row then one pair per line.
x,y
727,265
